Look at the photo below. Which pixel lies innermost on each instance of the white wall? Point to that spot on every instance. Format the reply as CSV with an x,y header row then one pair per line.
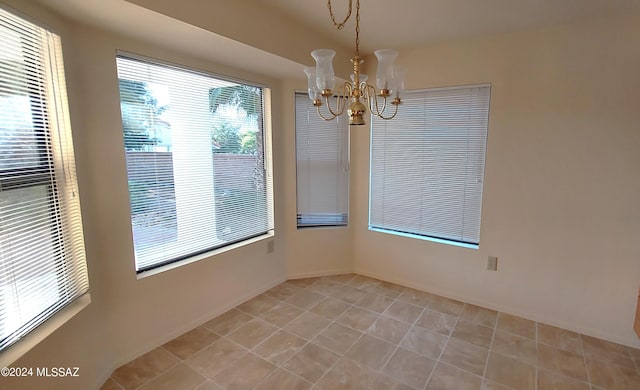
x,y
128,316
562,179
560,202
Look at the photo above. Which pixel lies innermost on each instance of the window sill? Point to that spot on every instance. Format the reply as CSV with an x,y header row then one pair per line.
x,y
20,348
425,238
193,259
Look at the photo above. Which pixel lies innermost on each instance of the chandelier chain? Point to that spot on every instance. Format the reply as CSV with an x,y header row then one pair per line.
x,y
333,17
357,28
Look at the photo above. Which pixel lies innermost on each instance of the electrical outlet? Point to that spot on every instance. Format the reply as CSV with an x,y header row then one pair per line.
x,y
492,263
270,245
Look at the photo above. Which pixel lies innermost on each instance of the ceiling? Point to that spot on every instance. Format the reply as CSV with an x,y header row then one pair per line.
x,y
410,23
384,24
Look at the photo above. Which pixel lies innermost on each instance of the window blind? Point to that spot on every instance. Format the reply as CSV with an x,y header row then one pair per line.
x,y
42,257
427,165
195,147
322,167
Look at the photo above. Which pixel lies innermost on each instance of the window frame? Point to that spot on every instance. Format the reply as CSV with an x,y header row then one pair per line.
x,y
267,167
321,220
433,237
55,173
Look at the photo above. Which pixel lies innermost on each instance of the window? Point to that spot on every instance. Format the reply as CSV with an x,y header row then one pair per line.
x,y
42,258
427,165
322,167
197,159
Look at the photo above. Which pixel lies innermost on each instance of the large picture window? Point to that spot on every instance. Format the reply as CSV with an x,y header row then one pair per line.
x,y
427,165
322,167
197,161
42,258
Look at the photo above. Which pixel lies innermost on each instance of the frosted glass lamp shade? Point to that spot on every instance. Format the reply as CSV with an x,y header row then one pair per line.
x,y
325,76
312,87
397,81
386,57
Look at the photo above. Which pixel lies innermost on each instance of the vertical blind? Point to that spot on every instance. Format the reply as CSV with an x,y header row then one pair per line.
x,y
427,165
42,257
195,148
322,167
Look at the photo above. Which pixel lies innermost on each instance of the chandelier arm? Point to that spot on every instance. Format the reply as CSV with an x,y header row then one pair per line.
x,y
373,101
340,105
340,25
322,116
390,117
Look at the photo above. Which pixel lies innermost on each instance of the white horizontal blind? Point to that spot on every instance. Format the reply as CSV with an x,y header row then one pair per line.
x,y
42,257
427,164
322,167
195,161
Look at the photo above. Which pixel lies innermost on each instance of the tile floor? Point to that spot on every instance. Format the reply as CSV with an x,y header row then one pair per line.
x,y
354,332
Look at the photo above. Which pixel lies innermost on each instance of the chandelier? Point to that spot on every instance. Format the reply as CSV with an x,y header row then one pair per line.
x,y
321,78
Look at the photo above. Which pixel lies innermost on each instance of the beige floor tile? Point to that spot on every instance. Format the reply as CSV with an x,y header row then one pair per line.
x,y
325,286
491,385
191,342
473,333
559,338
424,342
364,283
144,368
466,356
375,302
311,362
404,312
370,351
358,318
209,385
283,380
612,376
446,377
337,338
245,373
305,299
388,329
479,315
383,382
348,294
437,321
303,282
512,345
258,305
281,314
110,384
181,377
283,291
228,322
330,308
308,325
446,305
606,351
415,297
516,325
561,361
279,347
409,368
216,357
252,333
389,289
510,372
548,380
347,374
342,278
